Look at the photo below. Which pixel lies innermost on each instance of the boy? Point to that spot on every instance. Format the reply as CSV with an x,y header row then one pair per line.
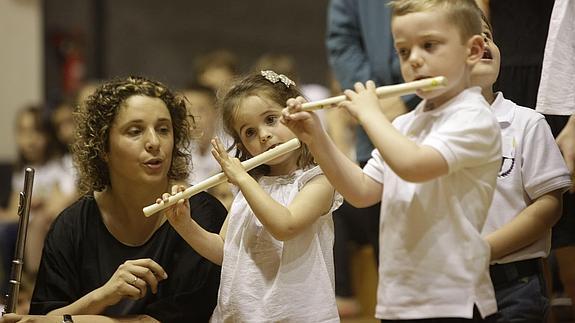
x,y
434,169
527,199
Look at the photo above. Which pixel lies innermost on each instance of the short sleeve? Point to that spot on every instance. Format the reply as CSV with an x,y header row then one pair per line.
x,y
467,138
375,167
313,172
542,165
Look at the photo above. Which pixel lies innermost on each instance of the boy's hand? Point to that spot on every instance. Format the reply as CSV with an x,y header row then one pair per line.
x,y
363,102
231,166
305,125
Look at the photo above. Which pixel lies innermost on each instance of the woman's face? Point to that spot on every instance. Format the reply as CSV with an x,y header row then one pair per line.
x,y
141,142
30,140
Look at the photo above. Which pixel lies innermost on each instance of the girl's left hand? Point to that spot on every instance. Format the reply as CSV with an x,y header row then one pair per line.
x,y
178,214
231,166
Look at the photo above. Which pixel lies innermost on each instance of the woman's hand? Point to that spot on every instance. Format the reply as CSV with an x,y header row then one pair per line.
x,y
16,318
131,280
231,166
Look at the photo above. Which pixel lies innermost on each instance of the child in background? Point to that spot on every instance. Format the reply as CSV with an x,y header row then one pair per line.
x,y
36,144
203,118
527,199
434,169
216,68
275,247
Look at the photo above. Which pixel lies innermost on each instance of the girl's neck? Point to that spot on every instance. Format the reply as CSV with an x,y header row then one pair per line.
x,y
286,167
282,171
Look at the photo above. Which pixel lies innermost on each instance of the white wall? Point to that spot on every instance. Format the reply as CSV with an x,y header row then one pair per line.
x,y
21,65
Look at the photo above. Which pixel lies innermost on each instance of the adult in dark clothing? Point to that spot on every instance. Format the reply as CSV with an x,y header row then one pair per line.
x,y
520,29
104,261
81,255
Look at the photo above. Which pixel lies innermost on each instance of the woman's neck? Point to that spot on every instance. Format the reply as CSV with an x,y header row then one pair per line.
x,y
122,213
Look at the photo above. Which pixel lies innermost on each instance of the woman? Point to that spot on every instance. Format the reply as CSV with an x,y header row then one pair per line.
x,y
103,259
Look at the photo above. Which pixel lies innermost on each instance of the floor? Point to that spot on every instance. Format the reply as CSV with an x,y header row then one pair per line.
x,y
561,314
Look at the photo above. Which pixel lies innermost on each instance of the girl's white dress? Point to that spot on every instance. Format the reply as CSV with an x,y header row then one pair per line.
x,y
267,280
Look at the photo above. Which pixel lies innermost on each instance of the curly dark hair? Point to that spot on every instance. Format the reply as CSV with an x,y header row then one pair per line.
x,y
255,84
95,116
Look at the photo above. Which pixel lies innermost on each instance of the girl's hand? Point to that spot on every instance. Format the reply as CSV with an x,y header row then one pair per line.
x,y
305,125
231,166
131,280
178,214
363,102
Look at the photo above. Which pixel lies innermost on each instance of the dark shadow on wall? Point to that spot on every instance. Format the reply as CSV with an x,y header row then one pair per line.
x,y
160,39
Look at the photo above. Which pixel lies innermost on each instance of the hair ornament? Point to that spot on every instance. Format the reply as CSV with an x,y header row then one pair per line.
x,y
275,77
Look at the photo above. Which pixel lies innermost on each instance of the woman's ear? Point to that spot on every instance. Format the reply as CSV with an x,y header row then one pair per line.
x,y
475,48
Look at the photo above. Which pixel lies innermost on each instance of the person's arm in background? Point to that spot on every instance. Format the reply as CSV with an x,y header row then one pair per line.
x,y
348,55
344,43
566,142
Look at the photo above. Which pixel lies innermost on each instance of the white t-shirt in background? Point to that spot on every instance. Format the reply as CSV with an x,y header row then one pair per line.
x,y
532,166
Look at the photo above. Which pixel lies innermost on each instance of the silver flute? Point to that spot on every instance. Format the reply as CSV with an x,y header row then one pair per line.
x,y
18,261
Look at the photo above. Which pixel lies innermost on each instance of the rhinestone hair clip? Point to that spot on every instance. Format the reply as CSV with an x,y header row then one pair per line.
x,y
275,77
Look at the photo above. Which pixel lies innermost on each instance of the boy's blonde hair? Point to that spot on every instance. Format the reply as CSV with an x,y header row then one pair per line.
x,y
464,14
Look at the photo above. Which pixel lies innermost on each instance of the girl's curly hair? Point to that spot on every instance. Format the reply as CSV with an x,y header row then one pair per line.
x,y
95,116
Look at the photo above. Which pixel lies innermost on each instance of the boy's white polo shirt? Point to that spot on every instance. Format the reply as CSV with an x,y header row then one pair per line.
x,y
532,166
433,260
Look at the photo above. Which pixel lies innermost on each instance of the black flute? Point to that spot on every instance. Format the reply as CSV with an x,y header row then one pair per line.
x,y
18,262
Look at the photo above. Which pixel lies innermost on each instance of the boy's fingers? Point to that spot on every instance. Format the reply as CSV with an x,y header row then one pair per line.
x,y
370,85
358,86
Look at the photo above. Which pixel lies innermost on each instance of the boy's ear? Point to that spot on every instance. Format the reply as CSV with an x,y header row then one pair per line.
x,y
475,48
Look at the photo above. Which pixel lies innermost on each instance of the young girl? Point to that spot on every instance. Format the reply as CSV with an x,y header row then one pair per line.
x,y
275,247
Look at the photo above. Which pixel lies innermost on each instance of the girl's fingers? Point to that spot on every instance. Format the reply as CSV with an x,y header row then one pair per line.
x,y
301,99
221,146
350,94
